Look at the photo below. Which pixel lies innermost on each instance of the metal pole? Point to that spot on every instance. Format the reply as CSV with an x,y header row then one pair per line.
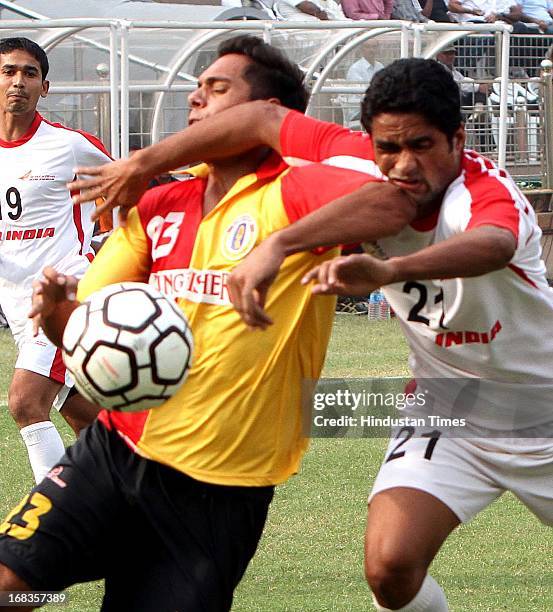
x,y
114,90
124,47
418,29
547,77
504,84
103,108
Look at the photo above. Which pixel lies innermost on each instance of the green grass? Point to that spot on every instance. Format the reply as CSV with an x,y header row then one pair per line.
x,y
310,557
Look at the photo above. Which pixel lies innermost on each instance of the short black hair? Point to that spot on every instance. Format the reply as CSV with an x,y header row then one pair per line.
x,y
7,45
415,86
271,74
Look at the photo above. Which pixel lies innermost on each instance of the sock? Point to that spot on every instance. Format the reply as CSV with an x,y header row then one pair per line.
x,y
44,446
430,598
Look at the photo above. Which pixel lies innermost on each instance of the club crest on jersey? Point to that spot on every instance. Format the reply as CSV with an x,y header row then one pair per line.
x,y
239,238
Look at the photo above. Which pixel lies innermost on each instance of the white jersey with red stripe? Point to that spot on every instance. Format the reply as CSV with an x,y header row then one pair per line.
x,y
39,224
497,327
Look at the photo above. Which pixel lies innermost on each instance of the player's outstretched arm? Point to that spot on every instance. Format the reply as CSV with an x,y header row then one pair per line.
x,y
235,130
473,253
350,275
373,211
54,299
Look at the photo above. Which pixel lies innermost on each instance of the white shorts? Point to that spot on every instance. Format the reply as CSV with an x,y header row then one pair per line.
x,y
35,354
468,474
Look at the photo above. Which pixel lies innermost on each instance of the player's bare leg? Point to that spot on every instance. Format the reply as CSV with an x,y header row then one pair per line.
x,y
405,529
30,399
78,412
10,581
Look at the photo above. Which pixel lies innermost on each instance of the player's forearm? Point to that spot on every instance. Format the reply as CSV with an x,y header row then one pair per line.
x,y
223,135
374,211
473,253
54,324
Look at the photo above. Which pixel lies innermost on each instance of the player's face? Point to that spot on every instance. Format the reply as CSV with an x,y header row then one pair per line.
x,y
416,156
21,83
221,86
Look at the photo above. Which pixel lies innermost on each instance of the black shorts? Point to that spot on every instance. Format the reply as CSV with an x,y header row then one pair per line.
x,y
163,541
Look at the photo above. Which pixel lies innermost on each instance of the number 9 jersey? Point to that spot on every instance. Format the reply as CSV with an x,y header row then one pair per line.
x,y
39,225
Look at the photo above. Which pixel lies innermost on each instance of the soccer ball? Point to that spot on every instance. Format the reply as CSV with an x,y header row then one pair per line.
x,y
128,347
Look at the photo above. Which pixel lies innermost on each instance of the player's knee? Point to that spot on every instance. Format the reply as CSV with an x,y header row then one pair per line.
x,y
78,412
25,408
393,576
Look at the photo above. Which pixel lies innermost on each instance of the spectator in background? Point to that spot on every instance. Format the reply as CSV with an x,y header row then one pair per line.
x,y
408,10
538,13
471,11
484,11
306,10
530,17
367,9
367,65
435,10
360,72
474,96
471,92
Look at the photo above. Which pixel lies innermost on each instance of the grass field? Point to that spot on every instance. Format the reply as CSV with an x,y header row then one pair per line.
x,y
310,557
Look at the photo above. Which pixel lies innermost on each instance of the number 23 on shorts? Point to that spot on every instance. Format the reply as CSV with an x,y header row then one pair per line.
x,y
40,505
405,434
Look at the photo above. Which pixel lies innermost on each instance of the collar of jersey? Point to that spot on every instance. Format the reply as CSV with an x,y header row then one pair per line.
x,y
26,137
268,169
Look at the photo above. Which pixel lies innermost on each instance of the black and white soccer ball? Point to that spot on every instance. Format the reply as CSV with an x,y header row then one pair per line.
x,y
128,347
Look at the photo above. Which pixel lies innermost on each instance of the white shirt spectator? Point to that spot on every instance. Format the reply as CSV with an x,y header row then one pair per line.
x,y
361,71
538,9
482,9
287,10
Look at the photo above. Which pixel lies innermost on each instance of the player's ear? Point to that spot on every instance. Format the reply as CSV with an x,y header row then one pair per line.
x,y
274,101
45,88
459,138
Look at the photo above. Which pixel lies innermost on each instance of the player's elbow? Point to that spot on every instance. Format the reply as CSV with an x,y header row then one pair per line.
x,y
501,246
264,121
399,210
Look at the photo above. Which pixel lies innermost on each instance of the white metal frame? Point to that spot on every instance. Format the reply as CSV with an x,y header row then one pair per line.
x,y
346,36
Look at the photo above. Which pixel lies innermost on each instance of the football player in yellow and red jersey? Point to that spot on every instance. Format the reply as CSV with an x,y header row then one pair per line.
x,y
168,505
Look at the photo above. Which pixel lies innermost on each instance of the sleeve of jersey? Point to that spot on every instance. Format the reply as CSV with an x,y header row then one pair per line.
x,y
304,140
308,188
89,150
493,204
123,257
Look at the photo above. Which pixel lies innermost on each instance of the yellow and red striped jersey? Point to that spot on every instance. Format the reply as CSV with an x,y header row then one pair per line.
x,y
237,420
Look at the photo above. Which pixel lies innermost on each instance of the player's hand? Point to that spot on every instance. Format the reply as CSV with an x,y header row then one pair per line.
x,y
120,183
250,281
48,293
350,275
